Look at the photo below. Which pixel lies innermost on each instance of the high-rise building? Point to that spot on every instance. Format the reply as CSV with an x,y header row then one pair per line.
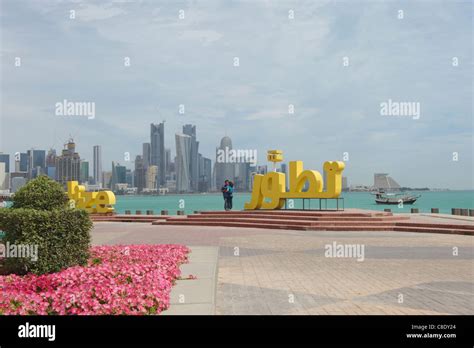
x,y
119,175
17,183
152,178
190,130
183,156
385,182
345,186
168,161
84,176
224,170
51,172
97,165
36,163
146,154
51,164
157,138
139,173
205,174
4,178
68,165
5,158
51,158
107,179
21,162
242,176
129,178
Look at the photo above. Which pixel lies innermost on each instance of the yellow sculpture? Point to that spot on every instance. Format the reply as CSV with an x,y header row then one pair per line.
x,y
269,190
274,156
93,202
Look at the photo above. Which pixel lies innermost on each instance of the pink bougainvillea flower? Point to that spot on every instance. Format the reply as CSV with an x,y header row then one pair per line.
x,y
118,280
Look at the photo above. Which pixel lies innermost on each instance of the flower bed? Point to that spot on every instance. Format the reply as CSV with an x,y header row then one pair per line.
x,y
130,280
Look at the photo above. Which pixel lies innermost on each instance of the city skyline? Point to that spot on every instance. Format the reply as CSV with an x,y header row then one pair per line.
x,y
224,168
312,85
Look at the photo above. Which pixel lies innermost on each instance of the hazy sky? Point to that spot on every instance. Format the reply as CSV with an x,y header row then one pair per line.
x,y
282,61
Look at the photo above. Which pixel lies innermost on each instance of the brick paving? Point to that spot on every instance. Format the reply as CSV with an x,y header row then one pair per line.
x,y
264,271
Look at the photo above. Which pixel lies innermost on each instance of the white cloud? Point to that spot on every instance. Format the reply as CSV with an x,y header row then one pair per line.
x,y
91,12
283,62
204,36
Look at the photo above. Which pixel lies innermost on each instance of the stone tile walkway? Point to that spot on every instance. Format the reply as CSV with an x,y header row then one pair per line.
x,y
264,271
196,296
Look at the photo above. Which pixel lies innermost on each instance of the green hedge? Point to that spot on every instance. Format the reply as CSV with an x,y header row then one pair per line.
x,y
41,193
62,237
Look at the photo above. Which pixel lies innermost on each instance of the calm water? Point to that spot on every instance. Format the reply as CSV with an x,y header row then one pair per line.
x,y
444,200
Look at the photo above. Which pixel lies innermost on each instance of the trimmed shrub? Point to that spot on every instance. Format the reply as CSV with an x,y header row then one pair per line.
x,y
61,236
41,193
40,218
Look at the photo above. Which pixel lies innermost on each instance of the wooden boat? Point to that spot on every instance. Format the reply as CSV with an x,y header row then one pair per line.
x,y
381,198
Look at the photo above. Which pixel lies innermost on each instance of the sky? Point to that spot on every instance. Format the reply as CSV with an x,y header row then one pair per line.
x,y
335,62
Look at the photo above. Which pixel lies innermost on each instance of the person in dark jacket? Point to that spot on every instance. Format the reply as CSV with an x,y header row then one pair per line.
x,y
224,190
230,195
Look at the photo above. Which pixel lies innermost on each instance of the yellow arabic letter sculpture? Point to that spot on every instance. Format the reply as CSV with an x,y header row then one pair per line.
x,y
256,199
272,190
268,191
104,201
333,171
92,202
298,178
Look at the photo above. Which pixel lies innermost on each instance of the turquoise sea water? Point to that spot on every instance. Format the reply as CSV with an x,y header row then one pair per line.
x,y
444,200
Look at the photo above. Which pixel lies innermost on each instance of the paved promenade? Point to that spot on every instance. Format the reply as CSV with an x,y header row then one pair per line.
x,y
264,271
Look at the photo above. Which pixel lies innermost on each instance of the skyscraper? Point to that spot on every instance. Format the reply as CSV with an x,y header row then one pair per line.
x,y
190,130
119,175
97,167
345,185
129,178
242,176
84,177
157,137
51,164
168,161
224,170
68,165
36,162
5,158
205,174
139,173
17,183
183,156
151,178
51,158
146,154
21,162
4,179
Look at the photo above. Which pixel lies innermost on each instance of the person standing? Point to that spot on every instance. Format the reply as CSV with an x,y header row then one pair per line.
x,y
224,190
230,194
